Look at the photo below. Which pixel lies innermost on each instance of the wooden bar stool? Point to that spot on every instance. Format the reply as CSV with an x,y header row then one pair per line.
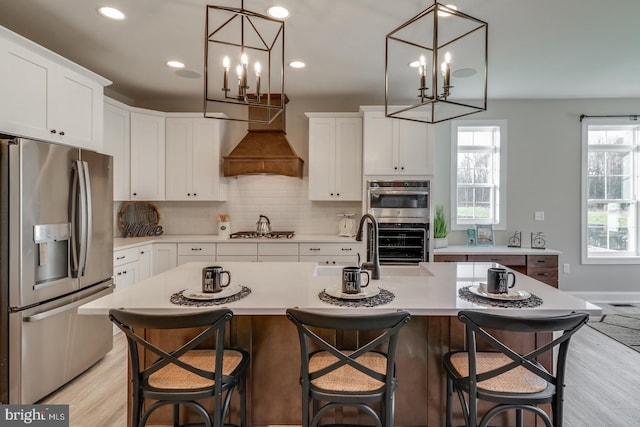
x,y
185,373
511,380
332,376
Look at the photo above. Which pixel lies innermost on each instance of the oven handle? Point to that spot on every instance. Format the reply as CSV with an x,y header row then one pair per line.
x,y
405,192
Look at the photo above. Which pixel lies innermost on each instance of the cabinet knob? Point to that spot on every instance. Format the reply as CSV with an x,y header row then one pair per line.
x,y
395,168
337,194
120,257
195,194
53,131
141,252
188,194
62,132
135,194
402,168
119,274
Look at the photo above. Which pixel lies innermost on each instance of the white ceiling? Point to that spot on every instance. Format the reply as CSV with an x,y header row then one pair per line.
x,y
537,49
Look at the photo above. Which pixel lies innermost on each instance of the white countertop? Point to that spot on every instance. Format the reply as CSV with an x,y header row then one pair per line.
x,y
128,242
493,250
430,289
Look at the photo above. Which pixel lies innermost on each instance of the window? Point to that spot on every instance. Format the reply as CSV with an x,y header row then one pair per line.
x,y
478,169
610,149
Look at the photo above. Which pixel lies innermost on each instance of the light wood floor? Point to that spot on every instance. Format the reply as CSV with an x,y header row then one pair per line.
x,y
603,384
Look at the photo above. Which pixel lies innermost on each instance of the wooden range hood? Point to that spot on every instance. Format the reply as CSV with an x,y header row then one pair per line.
x,y
264,150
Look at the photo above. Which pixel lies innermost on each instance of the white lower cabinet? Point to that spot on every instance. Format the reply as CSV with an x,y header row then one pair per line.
x,y
278,252
196,252
331,253
126,267
145,261
165,257
247,251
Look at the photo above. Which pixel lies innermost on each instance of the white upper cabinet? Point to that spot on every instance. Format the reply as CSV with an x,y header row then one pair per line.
x,y
117,144
335,156
396,147
147,156
46,97
193,159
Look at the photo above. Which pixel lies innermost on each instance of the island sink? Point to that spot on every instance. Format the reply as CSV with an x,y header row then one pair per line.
x,y
386,271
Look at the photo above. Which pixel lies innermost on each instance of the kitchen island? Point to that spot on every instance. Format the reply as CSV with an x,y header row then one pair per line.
x,y
429,291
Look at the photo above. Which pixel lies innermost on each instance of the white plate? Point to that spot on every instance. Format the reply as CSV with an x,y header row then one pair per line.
x,y
518,295
197,294
367,292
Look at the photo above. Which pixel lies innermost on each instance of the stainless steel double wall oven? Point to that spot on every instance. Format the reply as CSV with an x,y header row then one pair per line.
x,y
402,210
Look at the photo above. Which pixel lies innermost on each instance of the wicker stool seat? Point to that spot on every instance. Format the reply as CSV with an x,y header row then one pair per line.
x,y
511,380
184,373
338,372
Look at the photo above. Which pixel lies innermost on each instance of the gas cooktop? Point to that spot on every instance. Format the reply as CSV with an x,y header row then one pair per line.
x,y
254,235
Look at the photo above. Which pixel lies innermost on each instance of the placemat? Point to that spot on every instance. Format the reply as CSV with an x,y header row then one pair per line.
x,y
466,294
383,297
179,299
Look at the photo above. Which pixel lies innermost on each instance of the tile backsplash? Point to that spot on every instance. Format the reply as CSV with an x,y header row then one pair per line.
x,y
283,200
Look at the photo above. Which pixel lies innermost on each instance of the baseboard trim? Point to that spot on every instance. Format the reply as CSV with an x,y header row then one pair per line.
x,y
608,297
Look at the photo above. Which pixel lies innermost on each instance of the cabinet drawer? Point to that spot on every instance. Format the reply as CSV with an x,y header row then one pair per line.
x,y
506,260
125,256
238,249
329,248
542,261
449,258
278,249
548,275
197,249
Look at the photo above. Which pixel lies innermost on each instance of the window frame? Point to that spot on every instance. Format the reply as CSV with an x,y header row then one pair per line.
x,y
500,202
593,257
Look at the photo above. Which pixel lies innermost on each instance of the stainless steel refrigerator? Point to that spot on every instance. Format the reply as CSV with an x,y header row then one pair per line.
x,y
56,253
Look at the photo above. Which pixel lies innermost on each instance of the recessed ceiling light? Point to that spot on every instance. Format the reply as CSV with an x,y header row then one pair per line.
x,y
297,64
465,72
175,64
111,13
278,12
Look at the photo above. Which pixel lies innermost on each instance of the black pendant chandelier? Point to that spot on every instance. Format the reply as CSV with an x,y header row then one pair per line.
x,y
243,64
436,66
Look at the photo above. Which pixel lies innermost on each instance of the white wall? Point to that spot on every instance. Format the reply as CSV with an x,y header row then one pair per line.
x,y
543,174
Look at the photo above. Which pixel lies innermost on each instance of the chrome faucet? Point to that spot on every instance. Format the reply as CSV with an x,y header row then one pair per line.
x,y
373,261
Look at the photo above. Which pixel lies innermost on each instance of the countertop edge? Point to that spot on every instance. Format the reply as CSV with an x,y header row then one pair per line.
x,y
496,250
131,242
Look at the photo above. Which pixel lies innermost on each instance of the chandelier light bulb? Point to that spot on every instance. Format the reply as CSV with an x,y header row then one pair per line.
x,y
226,63
244,59
258,69
239,71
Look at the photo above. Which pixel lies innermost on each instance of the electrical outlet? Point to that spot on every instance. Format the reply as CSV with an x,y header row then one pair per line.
x,y
539,215
565,268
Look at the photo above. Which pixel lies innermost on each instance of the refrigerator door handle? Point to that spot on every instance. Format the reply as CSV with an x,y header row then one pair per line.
x,y
73,217
78,214
66,307
88,230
